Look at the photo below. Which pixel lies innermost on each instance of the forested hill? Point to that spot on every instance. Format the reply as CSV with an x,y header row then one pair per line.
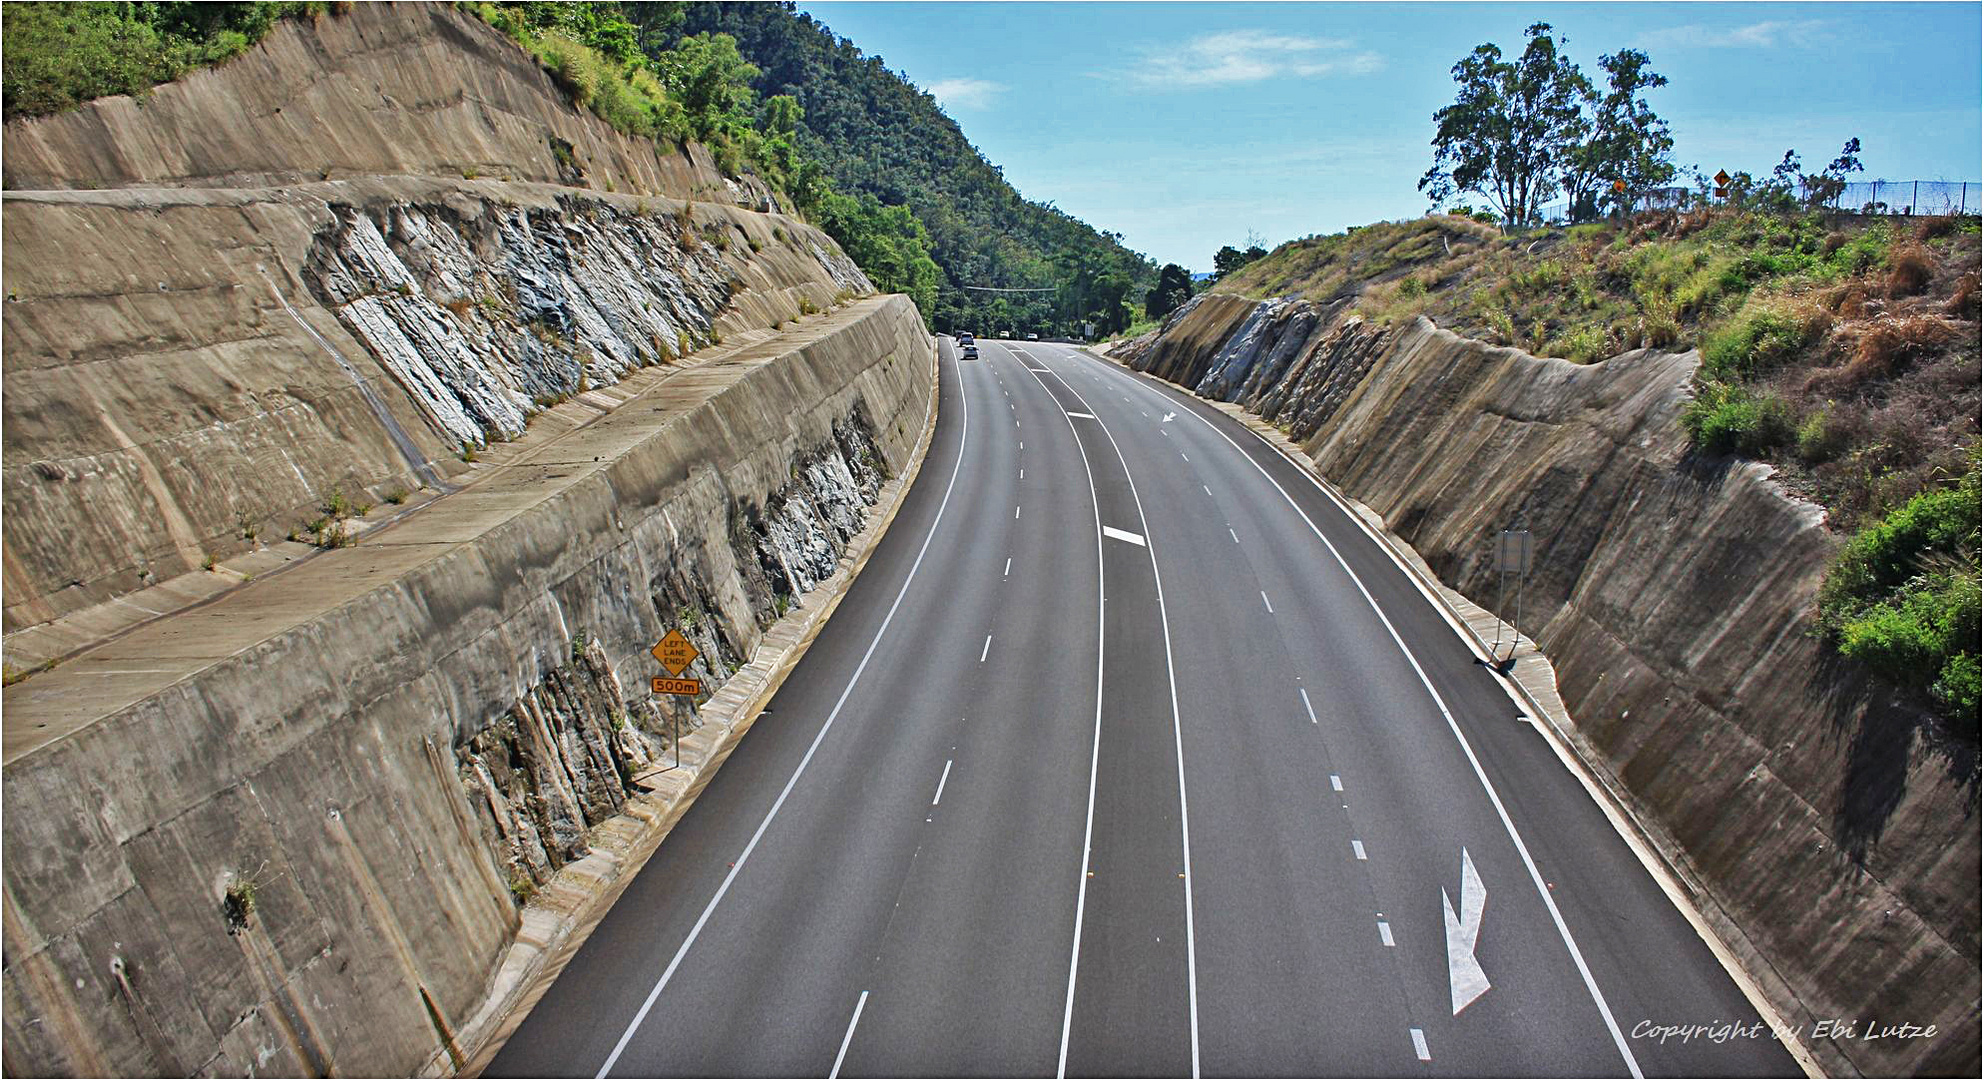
x,y
876,134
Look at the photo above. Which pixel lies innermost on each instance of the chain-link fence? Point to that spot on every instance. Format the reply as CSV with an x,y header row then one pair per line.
x,y
1910,197
1901,197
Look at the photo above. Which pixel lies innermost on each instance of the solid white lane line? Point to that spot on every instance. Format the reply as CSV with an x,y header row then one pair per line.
x,y
1336,782
940,783
1385,934
964,429
1357,849
1264,596
1419,1045
982,653
1310,709
1009,567
1094,754
1126,537
1231,533
1178,741
849,1037
1481,774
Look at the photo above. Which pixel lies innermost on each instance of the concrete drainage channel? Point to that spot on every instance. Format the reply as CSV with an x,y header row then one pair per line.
x,y
566,909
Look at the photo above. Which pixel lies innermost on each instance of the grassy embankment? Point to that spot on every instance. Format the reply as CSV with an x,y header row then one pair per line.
x,y
1842,351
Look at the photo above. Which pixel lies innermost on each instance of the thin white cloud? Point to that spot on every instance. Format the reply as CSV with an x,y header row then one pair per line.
x,y
966,93
1762,35
1245,56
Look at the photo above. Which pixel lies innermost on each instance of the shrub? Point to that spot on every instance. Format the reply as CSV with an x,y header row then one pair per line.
x,y
1820,438
1732,419
1757,340
1886,554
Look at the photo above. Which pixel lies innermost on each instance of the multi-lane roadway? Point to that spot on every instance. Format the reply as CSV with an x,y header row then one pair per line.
x,y
1131,754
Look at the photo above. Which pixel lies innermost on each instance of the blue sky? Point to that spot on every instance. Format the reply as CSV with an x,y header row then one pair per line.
x,y
1186,126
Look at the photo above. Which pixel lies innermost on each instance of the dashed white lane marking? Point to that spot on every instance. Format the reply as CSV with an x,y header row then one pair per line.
x,y
1182,454
1126,537
1016,513
1205,489
1022,446
1385,934
833,714
1009,568
1419,1045
1082,415
1231,533
1336,782
849,1037
1467,749
940,783
988,648
1022,474
1311,710
1264,600
1357,849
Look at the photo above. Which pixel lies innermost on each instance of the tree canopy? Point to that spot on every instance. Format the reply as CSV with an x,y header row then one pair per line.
x,y
1520,130
874,133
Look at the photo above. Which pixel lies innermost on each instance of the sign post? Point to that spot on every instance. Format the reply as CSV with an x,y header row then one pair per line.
x,y
676,653
1514,552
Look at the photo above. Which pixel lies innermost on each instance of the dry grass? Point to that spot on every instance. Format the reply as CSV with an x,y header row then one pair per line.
x,y
1910,268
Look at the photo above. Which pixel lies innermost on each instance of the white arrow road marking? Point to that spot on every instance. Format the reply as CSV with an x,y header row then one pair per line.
x,y
1168,417
1464,974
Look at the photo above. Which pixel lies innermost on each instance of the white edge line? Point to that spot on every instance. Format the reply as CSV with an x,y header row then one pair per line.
x,y
1508,825
849,1037
964,429
1178,737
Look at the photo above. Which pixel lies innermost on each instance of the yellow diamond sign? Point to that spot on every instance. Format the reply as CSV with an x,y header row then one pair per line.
x,y
675,652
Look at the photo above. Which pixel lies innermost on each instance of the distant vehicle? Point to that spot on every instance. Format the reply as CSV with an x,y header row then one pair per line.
x,y
965,338
1033,337
971,352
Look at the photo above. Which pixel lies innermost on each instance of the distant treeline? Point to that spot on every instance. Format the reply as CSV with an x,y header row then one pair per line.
x,y
878,136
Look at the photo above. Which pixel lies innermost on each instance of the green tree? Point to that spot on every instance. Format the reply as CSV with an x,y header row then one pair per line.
x,y
1173,288
1511,130
1229,258
1628,152
1824,187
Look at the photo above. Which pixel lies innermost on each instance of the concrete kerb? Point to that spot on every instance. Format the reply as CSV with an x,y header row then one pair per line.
x,y
563,915
1531,683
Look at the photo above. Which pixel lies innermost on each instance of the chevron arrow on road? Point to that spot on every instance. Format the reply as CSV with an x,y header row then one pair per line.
x,y
1464,975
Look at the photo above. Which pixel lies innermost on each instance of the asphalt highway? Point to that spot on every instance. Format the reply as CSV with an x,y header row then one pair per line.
x,y
1130,754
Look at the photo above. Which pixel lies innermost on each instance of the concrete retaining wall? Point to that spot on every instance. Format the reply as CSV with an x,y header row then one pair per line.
x,y
331,770
1825,818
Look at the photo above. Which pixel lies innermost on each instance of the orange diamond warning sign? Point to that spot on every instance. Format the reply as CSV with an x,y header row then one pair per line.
x,y
675,652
